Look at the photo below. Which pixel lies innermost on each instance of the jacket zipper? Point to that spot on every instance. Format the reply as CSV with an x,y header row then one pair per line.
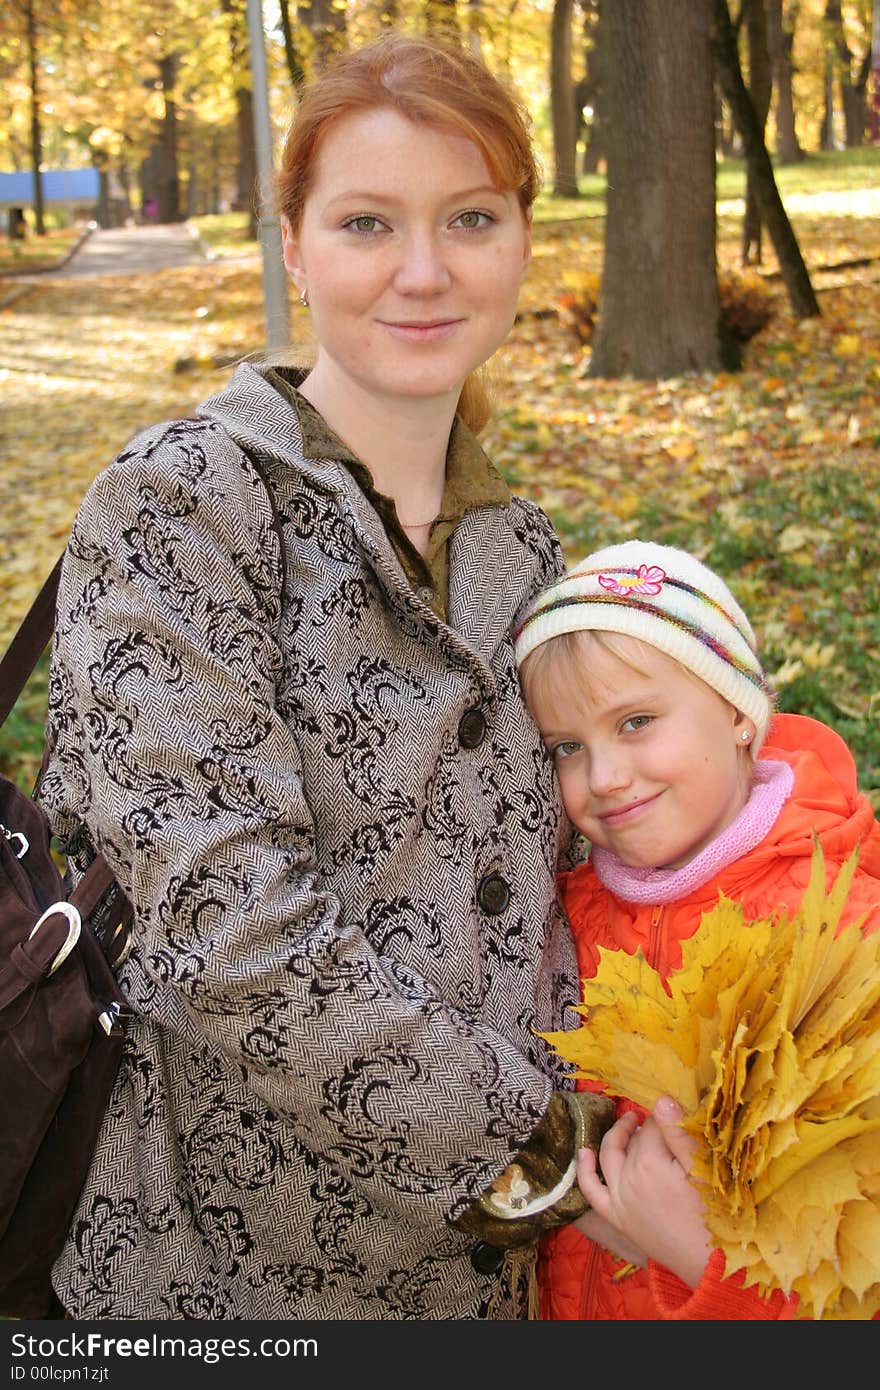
x,y
587,1308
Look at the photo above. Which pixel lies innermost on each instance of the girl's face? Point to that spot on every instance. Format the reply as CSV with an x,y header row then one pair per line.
x,y
412,259
651,762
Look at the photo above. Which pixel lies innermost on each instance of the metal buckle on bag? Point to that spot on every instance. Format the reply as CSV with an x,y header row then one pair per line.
x,y
16,835
116,961
74,927
110,1018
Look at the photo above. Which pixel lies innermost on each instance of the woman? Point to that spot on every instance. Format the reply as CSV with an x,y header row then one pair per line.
x,y
306,757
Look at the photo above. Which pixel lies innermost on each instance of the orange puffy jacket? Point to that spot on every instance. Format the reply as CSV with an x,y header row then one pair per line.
x,y
577,1278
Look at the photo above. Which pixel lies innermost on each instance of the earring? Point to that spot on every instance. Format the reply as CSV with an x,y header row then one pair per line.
x,y
746,736
304,299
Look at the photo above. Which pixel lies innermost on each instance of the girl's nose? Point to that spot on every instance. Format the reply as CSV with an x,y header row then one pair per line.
x,y
608,771
422,268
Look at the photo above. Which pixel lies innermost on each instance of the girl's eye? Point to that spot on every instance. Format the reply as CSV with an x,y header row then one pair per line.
x,y
364,223
565,750
636,722
472,220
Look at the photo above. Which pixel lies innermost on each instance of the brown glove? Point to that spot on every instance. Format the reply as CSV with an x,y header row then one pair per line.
x,y
539,1190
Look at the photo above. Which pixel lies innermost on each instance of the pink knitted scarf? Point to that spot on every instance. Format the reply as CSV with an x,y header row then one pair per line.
x,y
771,789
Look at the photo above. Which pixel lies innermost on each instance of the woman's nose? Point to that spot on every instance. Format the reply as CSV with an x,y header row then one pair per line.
x,y
422,268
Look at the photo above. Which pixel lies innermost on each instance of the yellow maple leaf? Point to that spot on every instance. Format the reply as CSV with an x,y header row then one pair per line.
x,y
769,1038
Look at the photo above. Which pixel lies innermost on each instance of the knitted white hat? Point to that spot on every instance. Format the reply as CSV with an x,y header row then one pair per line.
x,y
667,598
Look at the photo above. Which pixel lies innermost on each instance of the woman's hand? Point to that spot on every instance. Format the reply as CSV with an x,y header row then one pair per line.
x,y
647,1196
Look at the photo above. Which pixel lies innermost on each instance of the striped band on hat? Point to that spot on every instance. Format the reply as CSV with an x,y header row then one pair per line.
x,y
665,597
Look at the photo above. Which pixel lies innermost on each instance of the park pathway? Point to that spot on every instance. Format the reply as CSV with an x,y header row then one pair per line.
x,y
132,251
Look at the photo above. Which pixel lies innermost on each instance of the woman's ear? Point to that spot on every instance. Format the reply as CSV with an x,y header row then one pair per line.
x,y
527,249
290,252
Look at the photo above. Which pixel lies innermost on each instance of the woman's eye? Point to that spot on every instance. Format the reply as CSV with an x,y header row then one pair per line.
x,y
364,223
472,220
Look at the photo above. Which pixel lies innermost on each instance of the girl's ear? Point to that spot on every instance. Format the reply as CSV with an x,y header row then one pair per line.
x,y
743,728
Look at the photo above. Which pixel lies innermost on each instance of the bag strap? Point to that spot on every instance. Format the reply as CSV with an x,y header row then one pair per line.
x,y
29,643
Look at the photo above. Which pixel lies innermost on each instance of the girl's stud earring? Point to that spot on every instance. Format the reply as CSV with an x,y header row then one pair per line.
x,y
745,736
304,299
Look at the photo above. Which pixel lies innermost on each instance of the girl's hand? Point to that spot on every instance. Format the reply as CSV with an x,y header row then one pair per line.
x,y
647,1195
597,1229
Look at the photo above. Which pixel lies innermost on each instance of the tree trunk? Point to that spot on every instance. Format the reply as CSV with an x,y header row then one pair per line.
x,y
214,204
725,131
874,102
760,86
561,102
589,91
791,263
325,22
36,127
247,198
441,19
169,177
826,137
295,69
852,89
780,41
659,305
247,192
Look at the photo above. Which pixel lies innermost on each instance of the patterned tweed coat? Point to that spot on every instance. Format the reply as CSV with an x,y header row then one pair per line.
x,y
346,917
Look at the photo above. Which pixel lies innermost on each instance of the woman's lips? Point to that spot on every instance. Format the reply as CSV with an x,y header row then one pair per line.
x,y
434,332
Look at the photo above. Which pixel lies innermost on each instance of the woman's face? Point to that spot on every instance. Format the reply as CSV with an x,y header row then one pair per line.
x,y
412,259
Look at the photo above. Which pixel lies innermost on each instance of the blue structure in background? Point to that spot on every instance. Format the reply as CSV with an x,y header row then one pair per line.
x,y
72,187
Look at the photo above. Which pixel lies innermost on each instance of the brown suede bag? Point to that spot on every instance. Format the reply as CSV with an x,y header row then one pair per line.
x,y
61,1014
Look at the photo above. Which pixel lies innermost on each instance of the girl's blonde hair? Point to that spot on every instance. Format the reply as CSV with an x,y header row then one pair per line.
x,y
431,83
563,663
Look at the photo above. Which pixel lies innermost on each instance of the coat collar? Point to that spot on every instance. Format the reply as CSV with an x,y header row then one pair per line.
x,y
259,417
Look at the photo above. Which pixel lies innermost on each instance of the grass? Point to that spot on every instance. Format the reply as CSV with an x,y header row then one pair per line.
x,y
225,233
21,738
828,171
37,253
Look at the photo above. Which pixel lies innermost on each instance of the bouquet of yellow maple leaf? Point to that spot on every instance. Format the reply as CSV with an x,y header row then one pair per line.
x,y
769,1038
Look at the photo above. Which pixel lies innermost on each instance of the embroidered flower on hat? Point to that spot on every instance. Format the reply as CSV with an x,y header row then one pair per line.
x,y
648,579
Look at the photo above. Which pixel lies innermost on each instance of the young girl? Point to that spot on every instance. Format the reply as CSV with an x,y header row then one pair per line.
x,y
642,673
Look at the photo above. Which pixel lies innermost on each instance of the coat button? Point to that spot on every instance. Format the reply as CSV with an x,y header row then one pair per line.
x,y
486,1259
471,729
493,894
